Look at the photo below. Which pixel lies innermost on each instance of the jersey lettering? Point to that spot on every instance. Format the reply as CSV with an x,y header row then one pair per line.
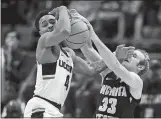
x,y
67,82
115,91
65,66
105,107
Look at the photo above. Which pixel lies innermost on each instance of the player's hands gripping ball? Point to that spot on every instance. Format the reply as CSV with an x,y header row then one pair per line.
x,y
55,11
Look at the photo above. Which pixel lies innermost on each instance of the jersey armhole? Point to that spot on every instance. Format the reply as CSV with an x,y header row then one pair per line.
x,y
105,72
136,100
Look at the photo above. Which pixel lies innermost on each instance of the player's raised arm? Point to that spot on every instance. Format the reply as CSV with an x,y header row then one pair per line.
x,y
81,66
130,78
90,53
61,31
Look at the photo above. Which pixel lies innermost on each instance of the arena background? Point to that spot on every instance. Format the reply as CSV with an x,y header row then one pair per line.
x,y
136,23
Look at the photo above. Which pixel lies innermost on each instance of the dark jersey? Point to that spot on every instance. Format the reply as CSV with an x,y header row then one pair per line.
x,y
115,99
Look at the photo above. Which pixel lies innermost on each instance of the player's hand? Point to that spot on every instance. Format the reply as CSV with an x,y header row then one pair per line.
x,y
75,14
55,12
123,52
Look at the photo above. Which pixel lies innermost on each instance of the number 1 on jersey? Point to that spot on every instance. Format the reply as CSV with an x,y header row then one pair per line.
x,y
67,82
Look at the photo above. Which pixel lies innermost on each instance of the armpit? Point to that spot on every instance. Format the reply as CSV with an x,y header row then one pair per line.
x,y
69,51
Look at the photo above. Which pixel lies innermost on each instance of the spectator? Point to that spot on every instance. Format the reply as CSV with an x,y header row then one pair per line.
x,y
2,65
14,109
13,12
27,87
151,99
87,97
90,98
70,103
151,24
131,10
16,66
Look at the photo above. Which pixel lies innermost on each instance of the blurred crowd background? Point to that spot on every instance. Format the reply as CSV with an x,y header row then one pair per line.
x,y
136,23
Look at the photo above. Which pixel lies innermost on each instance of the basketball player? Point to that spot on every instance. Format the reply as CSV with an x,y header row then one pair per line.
x,y
121,87
55,65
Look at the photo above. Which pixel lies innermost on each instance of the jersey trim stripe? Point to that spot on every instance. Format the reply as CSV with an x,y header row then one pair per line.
x,y
49,68
38,109
64,52
48,77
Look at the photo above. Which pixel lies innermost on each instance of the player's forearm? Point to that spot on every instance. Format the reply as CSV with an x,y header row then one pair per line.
x,y
98,67
63,23
108,57
81,67
62,30
91,54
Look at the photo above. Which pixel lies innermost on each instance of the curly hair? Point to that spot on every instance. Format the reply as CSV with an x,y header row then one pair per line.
x,y
38,17
144,62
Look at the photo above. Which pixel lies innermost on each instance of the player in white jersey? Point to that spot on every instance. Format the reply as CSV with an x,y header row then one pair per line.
x,y
55,65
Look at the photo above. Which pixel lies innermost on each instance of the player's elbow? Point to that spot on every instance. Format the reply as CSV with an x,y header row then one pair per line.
x,y
65,31
137,83
91,73
39,58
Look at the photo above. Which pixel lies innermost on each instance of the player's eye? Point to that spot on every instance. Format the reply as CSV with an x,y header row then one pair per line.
x,y
52,21
44,23
134,55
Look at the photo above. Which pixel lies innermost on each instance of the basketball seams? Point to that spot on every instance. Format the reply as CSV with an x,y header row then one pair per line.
x,y
76,43
75,23
78,33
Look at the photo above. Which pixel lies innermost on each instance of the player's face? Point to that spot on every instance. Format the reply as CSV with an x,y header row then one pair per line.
x,y
47,24
11,40
131,63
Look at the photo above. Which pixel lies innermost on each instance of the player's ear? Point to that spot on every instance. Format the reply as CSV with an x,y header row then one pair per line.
x,y
141,67
40,32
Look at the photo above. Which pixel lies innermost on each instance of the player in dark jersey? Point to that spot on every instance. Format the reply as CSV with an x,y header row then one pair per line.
x,y
115,89
122,88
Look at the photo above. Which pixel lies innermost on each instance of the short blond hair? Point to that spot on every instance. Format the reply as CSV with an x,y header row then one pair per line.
x,y
144,62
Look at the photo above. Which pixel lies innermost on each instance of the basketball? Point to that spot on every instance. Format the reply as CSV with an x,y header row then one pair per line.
x,y
79,34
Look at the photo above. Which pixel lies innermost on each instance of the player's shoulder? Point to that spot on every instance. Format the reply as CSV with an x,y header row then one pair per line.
x,y
135,75
69,51
105,72
137,78
44,36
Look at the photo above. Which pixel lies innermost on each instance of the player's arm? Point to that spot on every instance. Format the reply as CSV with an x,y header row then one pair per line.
x,y
90,53
62,29
130,78
81,66
92,56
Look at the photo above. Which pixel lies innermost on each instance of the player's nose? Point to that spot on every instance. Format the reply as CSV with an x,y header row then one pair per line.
x,y
50,25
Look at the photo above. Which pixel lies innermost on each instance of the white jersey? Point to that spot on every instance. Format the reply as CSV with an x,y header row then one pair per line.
x,y
54,79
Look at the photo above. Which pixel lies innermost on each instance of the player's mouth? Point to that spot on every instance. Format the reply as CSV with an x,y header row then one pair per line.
x,y
126,60
50,30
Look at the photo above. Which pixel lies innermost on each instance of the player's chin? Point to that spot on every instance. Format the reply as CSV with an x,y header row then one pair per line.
x,y
50,30
125,63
